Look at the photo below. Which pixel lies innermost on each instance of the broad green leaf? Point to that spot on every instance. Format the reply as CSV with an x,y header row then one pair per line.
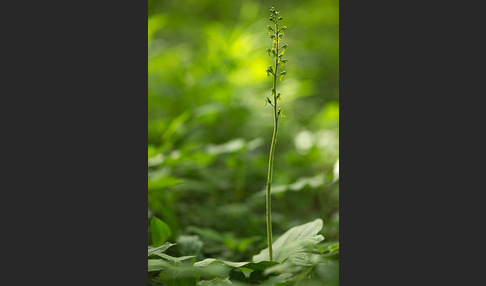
x,y
157,265
164,247
211,270
179,276
216,281
285,267
294,241
262,265
235,264
160,231
173,259
208,261
305,259
275,280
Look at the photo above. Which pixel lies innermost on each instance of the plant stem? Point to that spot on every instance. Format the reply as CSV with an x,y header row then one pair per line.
x,y
272,153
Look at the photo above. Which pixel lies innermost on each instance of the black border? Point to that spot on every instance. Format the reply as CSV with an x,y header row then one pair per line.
x,y
410,119
74,109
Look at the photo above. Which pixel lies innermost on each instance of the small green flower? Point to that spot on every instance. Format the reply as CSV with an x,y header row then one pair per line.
x,y
269,71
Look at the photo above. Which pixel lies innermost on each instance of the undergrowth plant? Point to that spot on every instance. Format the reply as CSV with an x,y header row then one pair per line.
x,y
276,52
297,257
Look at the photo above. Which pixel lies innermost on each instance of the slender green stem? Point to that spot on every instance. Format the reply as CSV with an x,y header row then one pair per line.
x,y
272,153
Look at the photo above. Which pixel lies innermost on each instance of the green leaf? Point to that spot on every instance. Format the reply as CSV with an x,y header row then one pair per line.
x,y
213,268
190,245
336,171
262,265
275,280
180,275
160,231
296,240
208,261
152,250
285,267
305,259
246,271
157,265
216,281
172,259
328,247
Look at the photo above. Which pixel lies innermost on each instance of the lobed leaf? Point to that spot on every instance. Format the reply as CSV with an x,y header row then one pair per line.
x,y
296,240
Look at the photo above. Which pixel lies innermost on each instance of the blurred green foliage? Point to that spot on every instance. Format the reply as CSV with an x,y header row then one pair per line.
x,y
209,133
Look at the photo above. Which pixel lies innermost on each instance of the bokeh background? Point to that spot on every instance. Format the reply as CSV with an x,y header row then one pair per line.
x,y
209,133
